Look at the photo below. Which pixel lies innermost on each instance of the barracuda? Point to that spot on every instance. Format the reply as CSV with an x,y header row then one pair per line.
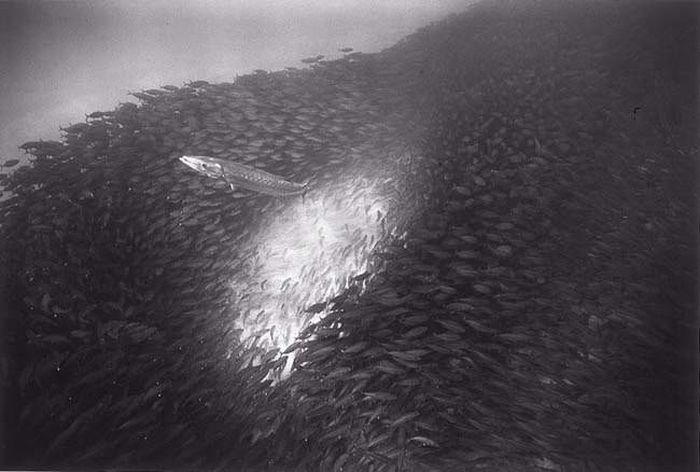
x,y
240,175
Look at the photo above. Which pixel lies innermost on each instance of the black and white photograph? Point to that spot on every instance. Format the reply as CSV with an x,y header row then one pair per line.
x,y
349,235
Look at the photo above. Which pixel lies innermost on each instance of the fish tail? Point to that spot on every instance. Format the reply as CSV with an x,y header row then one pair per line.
x,y
307,186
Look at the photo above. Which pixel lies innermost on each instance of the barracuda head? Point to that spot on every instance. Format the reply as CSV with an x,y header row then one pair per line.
x,y
204,165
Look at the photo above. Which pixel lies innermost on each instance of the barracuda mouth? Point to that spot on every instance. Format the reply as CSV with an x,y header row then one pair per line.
x,y
210,169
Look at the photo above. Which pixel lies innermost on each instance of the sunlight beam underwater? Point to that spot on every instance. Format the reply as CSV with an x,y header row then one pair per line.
x,y
304,255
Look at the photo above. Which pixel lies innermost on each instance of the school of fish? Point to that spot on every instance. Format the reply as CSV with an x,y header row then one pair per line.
x,y
453,254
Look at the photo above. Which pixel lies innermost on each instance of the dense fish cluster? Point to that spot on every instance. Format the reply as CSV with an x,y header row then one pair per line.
x,y
489,270
317,248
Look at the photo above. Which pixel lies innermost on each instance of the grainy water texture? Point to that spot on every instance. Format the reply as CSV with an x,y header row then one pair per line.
x,y
473,250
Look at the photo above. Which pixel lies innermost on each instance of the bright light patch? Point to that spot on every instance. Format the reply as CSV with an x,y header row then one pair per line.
x,y
310,249
306,255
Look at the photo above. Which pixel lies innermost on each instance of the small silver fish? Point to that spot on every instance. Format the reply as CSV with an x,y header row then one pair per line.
x,y
240,175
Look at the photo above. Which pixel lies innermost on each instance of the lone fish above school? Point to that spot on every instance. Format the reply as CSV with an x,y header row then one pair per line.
x,y
243,176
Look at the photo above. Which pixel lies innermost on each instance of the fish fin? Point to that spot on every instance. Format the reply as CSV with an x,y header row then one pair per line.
x,y
538,147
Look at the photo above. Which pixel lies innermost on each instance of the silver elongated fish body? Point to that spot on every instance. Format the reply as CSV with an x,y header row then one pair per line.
x,y
260,180
240,175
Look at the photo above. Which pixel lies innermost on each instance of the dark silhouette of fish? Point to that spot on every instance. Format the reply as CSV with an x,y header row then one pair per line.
x,y
243,176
